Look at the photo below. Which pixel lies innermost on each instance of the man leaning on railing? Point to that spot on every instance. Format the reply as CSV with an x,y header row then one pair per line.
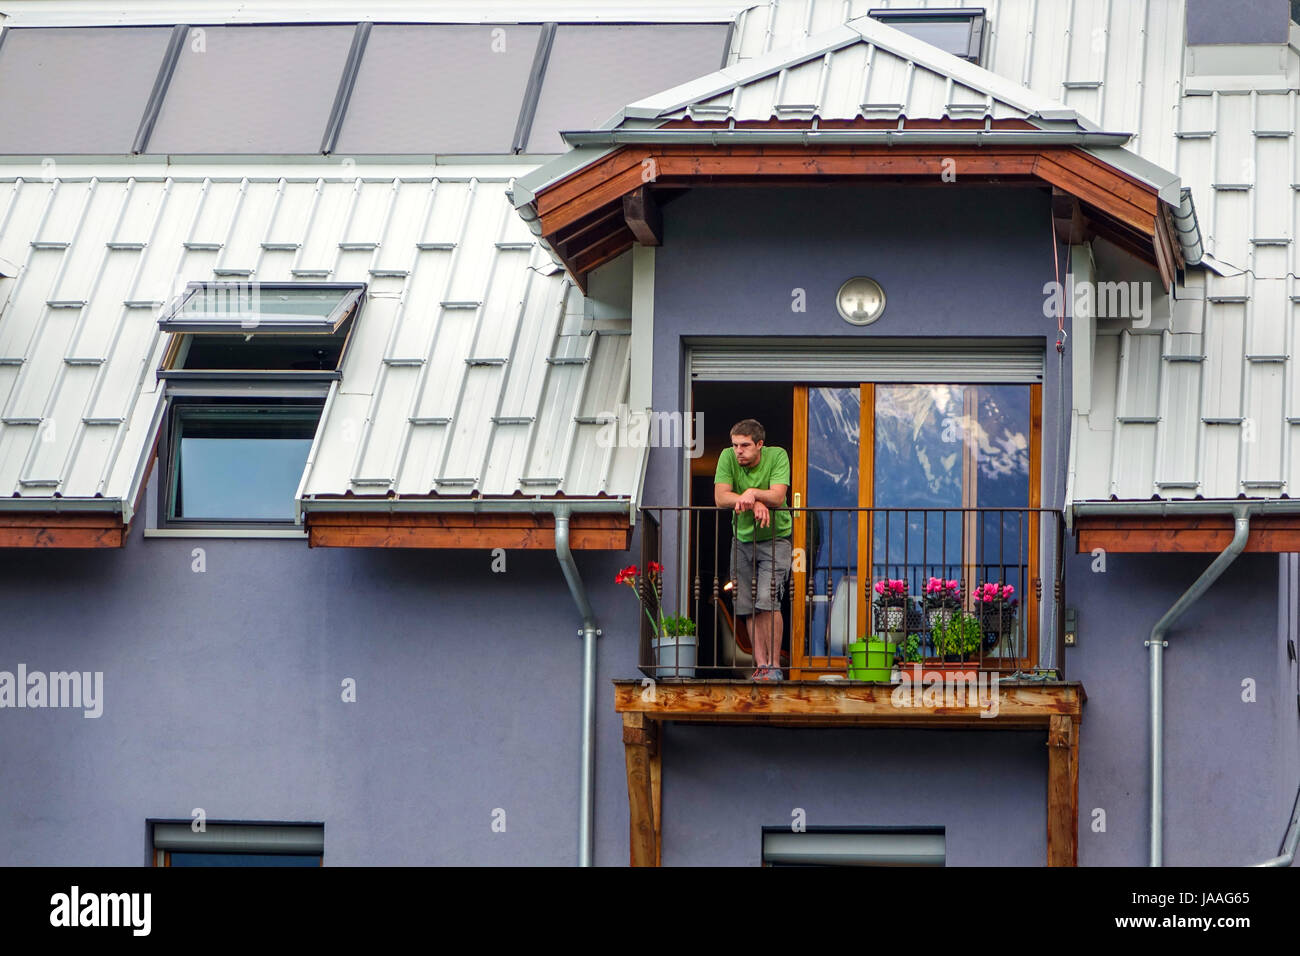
x,y
752,480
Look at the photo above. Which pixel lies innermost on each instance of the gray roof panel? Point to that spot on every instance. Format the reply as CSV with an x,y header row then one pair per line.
x,y
439,89
252,89
76,89
594,70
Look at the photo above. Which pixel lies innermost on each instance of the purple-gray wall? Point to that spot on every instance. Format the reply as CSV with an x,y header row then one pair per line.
x,y
222,690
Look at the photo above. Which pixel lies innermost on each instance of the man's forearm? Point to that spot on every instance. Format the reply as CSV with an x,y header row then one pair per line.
x,y
726,499
769,497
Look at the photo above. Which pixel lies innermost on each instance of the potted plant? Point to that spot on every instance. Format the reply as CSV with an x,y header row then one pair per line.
x,y
911,651
890,609
872,659
675,644
957,638
942,600
996,604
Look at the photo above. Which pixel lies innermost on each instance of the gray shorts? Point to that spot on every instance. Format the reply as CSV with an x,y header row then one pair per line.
x,y
750,556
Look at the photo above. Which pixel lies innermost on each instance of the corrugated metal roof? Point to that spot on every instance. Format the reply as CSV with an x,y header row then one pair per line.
x,y
473,369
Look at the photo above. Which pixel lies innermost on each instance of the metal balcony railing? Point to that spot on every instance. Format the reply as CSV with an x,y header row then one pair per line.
x,y
983,586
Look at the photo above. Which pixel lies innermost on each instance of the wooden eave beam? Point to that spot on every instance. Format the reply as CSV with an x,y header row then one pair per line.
x,y
1183,534
644,221
93,529
598,224
522,531
610,247
1067,218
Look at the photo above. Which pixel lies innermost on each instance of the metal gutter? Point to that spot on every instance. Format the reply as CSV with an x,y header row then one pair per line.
x,y
1189,230
807,137
1214,506
63,504
589,632
1289,841
1156,645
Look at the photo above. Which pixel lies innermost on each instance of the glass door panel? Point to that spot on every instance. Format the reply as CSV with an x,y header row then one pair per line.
x,y
829,539
919,471
940,453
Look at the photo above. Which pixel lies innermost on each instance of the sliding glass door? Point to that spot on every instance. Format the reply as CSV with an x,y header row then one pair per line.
x,y
945,478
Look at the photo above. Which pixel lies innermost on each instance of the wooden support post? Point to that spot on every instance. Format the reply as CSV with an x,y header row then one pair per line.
x,y
644,782
1063,791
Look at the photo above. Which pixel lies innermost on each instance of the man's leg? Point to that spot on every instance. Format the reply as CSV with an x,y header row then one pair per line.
x,y
778,629
758,637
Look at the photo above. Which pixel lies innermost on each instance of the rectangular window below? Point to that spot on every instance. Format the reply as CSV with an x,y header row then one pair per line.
x,y
237,844
237,463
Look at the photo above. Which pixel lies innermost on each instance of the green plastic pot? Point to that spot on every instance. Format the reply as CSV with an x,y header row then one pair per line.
x,y
871,660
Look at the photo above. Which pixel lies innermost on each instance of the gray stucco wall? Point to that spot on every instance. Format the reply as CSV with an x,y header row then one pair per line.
x,y
222,691
1231,767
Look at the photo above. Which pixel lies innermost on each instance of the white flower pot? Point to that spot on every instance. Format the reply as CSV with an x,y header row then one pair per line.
x,y
675,656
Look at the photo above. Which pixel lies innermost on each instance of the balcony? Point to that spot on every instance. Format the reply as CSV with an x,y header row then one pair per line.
x,y
1013,677
995,577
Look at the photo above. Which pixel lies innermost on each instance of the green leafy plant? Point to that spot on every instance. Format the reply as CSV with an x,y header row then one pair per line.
x,y
959,636
911,650
675,625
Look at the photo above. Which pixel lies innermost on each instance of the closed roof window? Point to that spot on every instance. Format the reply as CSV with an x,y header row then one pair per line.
x,y
955,30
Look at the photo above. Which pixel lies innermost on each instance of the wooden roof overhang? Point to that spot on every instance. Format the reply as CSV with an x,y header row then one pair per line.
x,y
1054,708
598,212
1183,533
514,530
40,529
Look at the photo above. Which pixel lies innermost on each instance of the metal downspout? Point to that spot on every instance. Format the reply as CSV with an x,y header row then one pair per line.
x,y
1157,644
1290,841
589,633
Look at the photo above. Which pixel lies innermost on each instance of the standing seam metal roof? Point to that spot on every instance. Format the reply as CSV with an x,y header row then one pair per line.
x,y
1205,401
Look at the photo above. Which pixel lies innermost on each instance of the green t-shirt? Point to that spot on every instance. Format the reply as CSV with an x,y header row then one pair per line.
x,y
773,468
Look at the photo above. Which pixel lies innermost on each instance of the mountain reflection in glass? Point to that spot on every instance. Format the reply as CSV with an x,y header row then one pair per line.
x,y
832,537
951,447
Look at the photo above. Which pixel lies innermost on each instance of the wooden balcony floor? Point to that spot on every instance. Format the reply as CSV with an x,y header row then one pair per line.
x,y
1017,705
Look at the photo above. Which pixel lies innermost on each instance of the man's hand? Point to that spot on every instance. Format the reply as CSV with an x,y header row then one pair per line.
x,y
746,500
762,517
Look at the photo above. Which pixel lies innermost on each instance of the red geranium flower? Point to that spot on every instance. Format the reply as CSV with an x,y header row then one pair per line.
x,y
627,575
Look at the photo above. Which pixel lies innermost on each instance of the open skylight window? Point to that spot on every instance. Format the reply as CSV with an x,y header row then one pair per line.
x,y
241,330
248,369
261,307
955,30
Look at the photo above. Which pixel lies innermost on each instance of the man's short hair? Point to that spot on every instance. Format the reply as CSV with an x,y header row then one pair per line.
x,y
750,428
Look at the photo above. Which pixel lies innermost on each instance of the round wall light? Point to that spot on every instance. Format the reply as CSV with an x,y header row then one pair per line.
x,y
860,300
